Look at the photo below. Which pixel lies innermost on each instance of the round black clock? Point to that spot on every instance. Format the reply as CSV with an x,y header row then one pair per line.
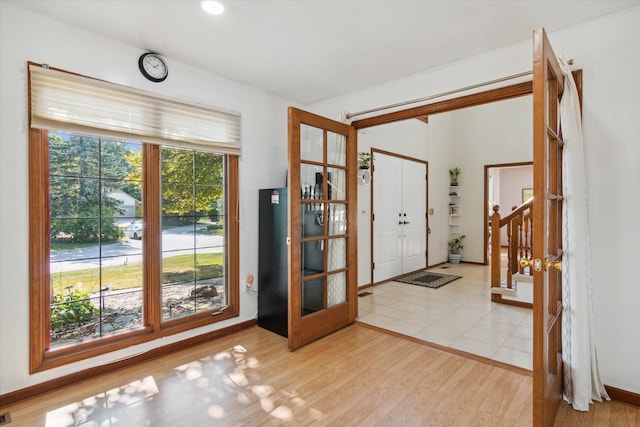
x,y
153,67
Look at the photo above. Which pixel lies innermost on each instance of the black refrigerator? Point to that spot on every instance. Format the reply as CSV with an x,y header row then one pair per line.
x,y
273,262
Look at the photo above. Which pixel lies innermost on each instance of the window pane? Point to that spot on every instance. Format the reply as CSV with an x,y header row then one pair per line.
x,y
96,272
209,168
74,197
73,155
118,158
193,278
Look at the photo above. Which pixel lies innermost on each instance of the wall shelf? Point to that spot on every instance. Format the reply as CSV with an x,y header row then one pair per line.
x,y
454,208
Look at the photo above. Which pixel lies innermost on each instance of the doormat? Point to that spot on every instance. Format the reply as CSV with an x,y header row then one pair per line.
x,y
428,279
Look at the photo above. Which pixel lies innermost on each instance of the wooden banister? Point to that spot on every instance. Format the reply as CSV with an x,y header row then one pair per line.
x,y
518,230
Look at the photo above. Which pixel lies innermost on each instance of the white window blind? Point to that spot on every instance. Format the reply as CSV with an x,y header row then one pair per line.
x,y
65,101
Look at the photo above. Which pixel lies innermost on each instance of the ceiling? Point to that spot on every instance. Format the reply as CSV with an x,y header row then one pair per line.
x,y
310,50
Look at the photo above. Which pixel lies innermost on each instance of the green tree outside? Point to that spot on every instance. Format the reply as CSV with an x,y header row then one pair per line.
x,y
83,169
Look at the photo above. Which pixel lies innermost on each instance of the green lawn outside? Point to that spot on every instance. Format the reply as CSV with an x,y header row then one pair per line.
x,y
175,269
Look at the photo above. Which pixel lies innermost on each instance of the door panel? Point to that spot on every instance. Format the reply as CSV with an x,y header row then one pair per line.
x,y
387,210
414,207
322,227
548,84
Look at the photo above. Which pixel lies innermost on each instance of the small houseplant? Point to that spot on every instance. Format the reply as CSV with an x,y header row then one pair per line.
x,y
455,245
453,176
364,159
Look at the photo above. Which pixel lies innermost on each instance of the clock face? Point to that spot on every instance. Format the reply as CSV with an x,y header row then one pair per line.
x,y
153,67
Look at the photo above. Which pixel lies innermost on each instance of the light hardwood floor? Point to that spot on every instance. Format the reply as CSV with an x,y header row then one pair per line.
x,y
355,377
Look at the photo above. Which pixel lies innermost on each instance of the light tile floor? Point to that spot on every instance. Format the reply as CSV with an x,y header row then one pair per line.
x,y
459,315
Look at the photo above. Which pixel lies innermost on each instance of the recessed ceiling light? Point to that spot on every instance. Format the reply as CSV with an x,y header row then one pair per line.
x,y
212,6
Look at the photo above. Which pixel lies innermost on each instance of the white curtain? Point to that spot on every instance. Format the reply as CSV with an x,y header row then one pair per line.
x,y
582,384
337,217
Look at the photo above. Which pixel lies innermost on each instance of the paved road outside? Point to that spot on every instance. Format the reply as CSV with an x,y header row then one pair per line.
x,y
175,241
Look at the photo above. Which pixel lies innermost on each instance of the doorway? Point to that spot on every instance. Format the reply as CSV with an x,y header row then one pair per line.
x,y
399,202
507,185
460,315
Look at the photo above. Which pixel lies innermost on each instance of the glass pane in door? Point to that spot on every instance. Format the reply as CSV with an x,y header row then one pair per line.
x,y
311,219
312,296
311,143
336,184
336,254
311,186
336,289
337,219
336,149
312,257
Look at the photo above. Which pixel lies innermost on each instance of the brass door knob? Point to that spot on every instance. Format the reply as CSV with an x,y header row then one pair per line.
x,y
526,262
556,265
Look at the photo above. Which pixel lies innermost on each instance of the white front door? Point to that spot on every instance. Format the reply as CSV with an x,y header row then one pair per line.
x,y
414,206
387,211
399,216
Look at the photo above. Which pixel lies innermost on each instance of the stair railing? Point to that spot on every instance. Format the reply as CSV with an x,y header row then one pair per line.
x,y
519,231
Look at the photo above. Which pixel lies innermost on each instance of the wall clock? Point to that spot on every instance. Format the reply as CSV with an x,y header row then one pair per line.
x,y
153,67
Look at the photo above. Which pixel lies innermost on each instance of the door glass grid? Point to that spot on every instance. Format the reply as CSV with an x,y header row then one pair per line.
x,y
320,183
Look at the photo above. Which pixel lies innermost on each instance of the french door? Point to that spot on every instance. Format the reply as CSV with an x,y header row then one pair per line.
x,y
322,226
399,221
548,84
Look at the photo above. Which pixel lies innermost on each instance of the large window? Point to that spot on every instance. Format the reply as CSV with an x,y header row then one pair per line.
x,y
131,238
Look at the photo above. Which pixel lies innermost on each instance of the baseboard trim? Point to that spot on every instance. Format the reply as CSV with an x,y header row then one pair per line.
x,y
47,386
623,396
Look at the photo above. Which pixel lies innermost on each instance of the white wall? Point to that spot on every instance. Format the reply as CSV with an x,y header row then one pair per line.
x,y
605,49
510,182
25,36
500,132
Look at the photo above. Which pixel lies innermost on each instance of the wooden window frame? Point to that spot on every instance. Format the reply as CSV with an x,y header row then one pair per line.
x,y
42,357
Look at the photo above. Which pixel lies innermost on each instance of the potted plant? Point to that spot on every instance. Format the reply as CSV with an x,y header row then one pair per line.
x,y
364,159
453,176
455,245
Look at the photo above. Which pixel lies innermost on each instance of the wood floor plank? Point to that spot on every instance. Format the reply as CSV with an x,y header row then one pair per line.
x,y
357,377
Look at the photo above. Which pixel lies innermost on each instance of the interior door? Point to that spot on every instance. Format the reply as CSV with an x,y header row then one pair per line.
x,y
322,177
548,84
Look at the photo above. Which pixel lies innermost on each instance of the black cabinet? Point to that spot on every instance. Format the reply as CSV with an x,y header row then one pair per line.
x,y
273,265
